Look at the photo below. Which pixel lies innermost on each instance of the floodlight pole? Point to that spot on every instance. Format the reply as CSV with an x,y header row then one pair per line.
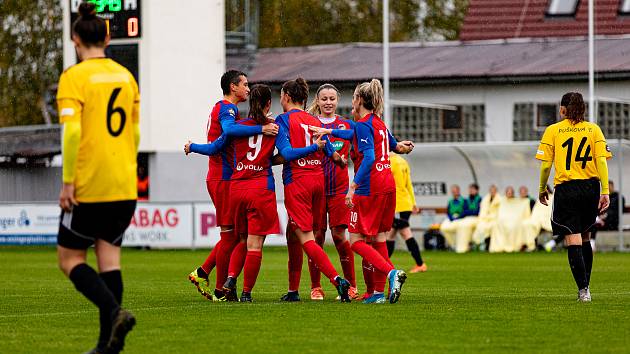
x,y
387,117
591,61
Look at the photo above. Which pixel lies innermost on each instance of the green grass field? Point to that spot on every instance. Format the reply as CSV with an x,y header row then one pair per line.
x,y
465,303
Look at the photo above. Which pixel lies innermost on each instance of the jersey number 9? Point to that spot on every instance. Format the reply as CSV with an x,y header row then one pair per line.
x,y
110,112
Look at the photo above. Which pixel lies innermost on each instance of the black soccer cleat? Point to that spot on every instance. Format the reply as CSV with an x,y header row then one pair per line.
x,y
342,289
123,324
291,296
246,296
229,289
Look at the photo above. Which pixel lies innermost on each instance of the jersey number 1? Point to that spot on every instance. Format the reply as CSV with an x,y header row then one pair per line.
x,y
384,144
578,157
110,112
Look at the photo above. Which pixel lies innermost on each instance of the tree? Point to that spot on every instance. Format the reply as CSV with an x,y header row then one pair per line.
x,y
442,19
30,58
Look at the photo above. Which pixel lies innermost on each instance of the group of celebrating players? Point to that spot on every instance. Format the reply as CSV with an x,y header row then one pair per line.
x,y
313,147
98,102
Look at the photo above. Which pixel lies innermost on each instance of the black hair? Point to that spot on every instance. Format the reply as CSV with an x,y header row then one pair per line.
x,y
90,28
296,89
474,185
575,106
230,77
259,98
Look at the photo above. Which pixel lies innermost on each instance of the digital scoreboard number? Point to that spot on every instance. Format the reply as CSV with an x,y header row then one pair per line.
x,y
122,16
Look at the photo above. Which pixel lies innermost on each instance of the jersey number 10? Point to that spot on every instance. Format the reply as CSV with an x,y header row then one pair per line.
x,y
110,112
568,144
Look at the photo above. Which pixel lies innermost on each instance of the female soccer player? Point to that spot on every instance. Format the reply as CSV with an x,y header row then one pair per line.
x,y
253,199
304,190
336,182
98,104
578,152
372,208
222,121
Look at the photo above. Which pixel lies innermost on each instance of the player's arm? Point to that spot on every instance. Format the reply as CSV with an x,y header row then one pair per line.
x,y
365,138
402,147
288,152
545,154
135,114
410,186
70,117
231,128
207,149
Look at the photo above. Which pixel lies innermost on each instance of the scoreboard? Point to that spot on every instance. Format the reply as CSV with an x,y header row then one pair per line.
x,y
122,16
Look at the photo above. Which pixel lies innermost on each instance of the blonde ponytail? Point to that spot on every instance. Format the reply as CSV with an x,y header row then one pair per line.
x,y
371,93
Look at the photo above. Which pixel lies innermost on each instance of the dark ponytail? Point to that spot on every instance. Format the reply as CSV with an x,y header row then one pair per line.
x,y
296,89
575,106
259,98
90,28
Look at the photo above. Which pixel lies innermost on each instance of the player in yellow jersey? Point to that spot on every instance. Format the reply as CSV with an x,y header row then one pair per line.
x,y
578,152
98,103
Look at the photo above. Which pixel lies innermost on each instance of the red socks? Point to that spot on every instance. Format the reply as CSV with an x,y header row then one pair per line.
x,y
224,251
211,260
375,257
346,258
295,264
317,254
252,267
237,259
316,275
380,278
368,276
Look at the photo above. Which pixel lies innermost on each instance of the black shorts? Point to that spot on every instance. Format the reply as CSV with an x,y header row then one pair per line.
x,y
87,222
402,221
575,206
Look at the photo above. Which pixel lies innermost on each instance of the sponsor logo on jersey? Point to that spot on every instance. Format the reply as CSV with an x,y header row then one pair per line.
x,y
338,145
241,166
231,112
341,126
607,148
365,140
382,166
303,162
540,152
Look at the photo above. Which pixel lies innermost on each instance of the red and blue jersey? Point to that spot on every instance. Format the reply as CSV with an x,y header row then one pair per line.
x,y
252,160
372,141
222,121
294,133
335,176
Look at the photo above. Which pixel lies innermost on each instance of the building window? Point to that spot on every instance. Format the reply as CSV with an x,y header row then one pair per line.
x,y
546,115
452,119
624,7
562,7
429,125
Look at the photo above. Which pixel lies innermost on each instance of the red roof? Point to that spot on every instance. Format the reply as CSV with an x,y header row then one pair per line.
x,y
492,19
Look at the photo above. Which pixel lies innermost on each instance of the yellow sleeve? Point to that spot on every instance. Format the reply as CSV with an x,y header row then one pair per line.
x,y
601,147
545,148
136,134
545,171
135,115
69,99
70,149
409,185
602,171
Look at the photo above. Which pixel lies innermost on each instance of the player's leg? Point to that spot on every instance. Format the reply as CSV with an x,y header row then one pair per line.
x,y
587,254
294,264
410,241
577,264
391,238
317,254
253,261
317,293
368,278
346,258
236,264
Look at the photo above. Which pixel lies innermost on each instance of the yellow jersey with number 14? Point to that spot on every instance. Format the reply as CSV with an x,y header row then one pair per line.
x,y
103,96
573,148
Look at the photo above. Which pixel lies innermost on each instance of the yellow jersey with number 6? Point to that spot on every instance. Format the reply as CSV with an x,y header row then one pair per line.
x,y
573,148
103,96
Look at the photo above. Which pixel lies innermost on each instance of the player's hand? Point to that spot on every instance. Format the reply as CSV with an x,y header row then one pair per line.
x,y
319,131
66,197
350,195
543,197
404,147
320,142
278,159
604,202
415,210
339,160
270,129
187,147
